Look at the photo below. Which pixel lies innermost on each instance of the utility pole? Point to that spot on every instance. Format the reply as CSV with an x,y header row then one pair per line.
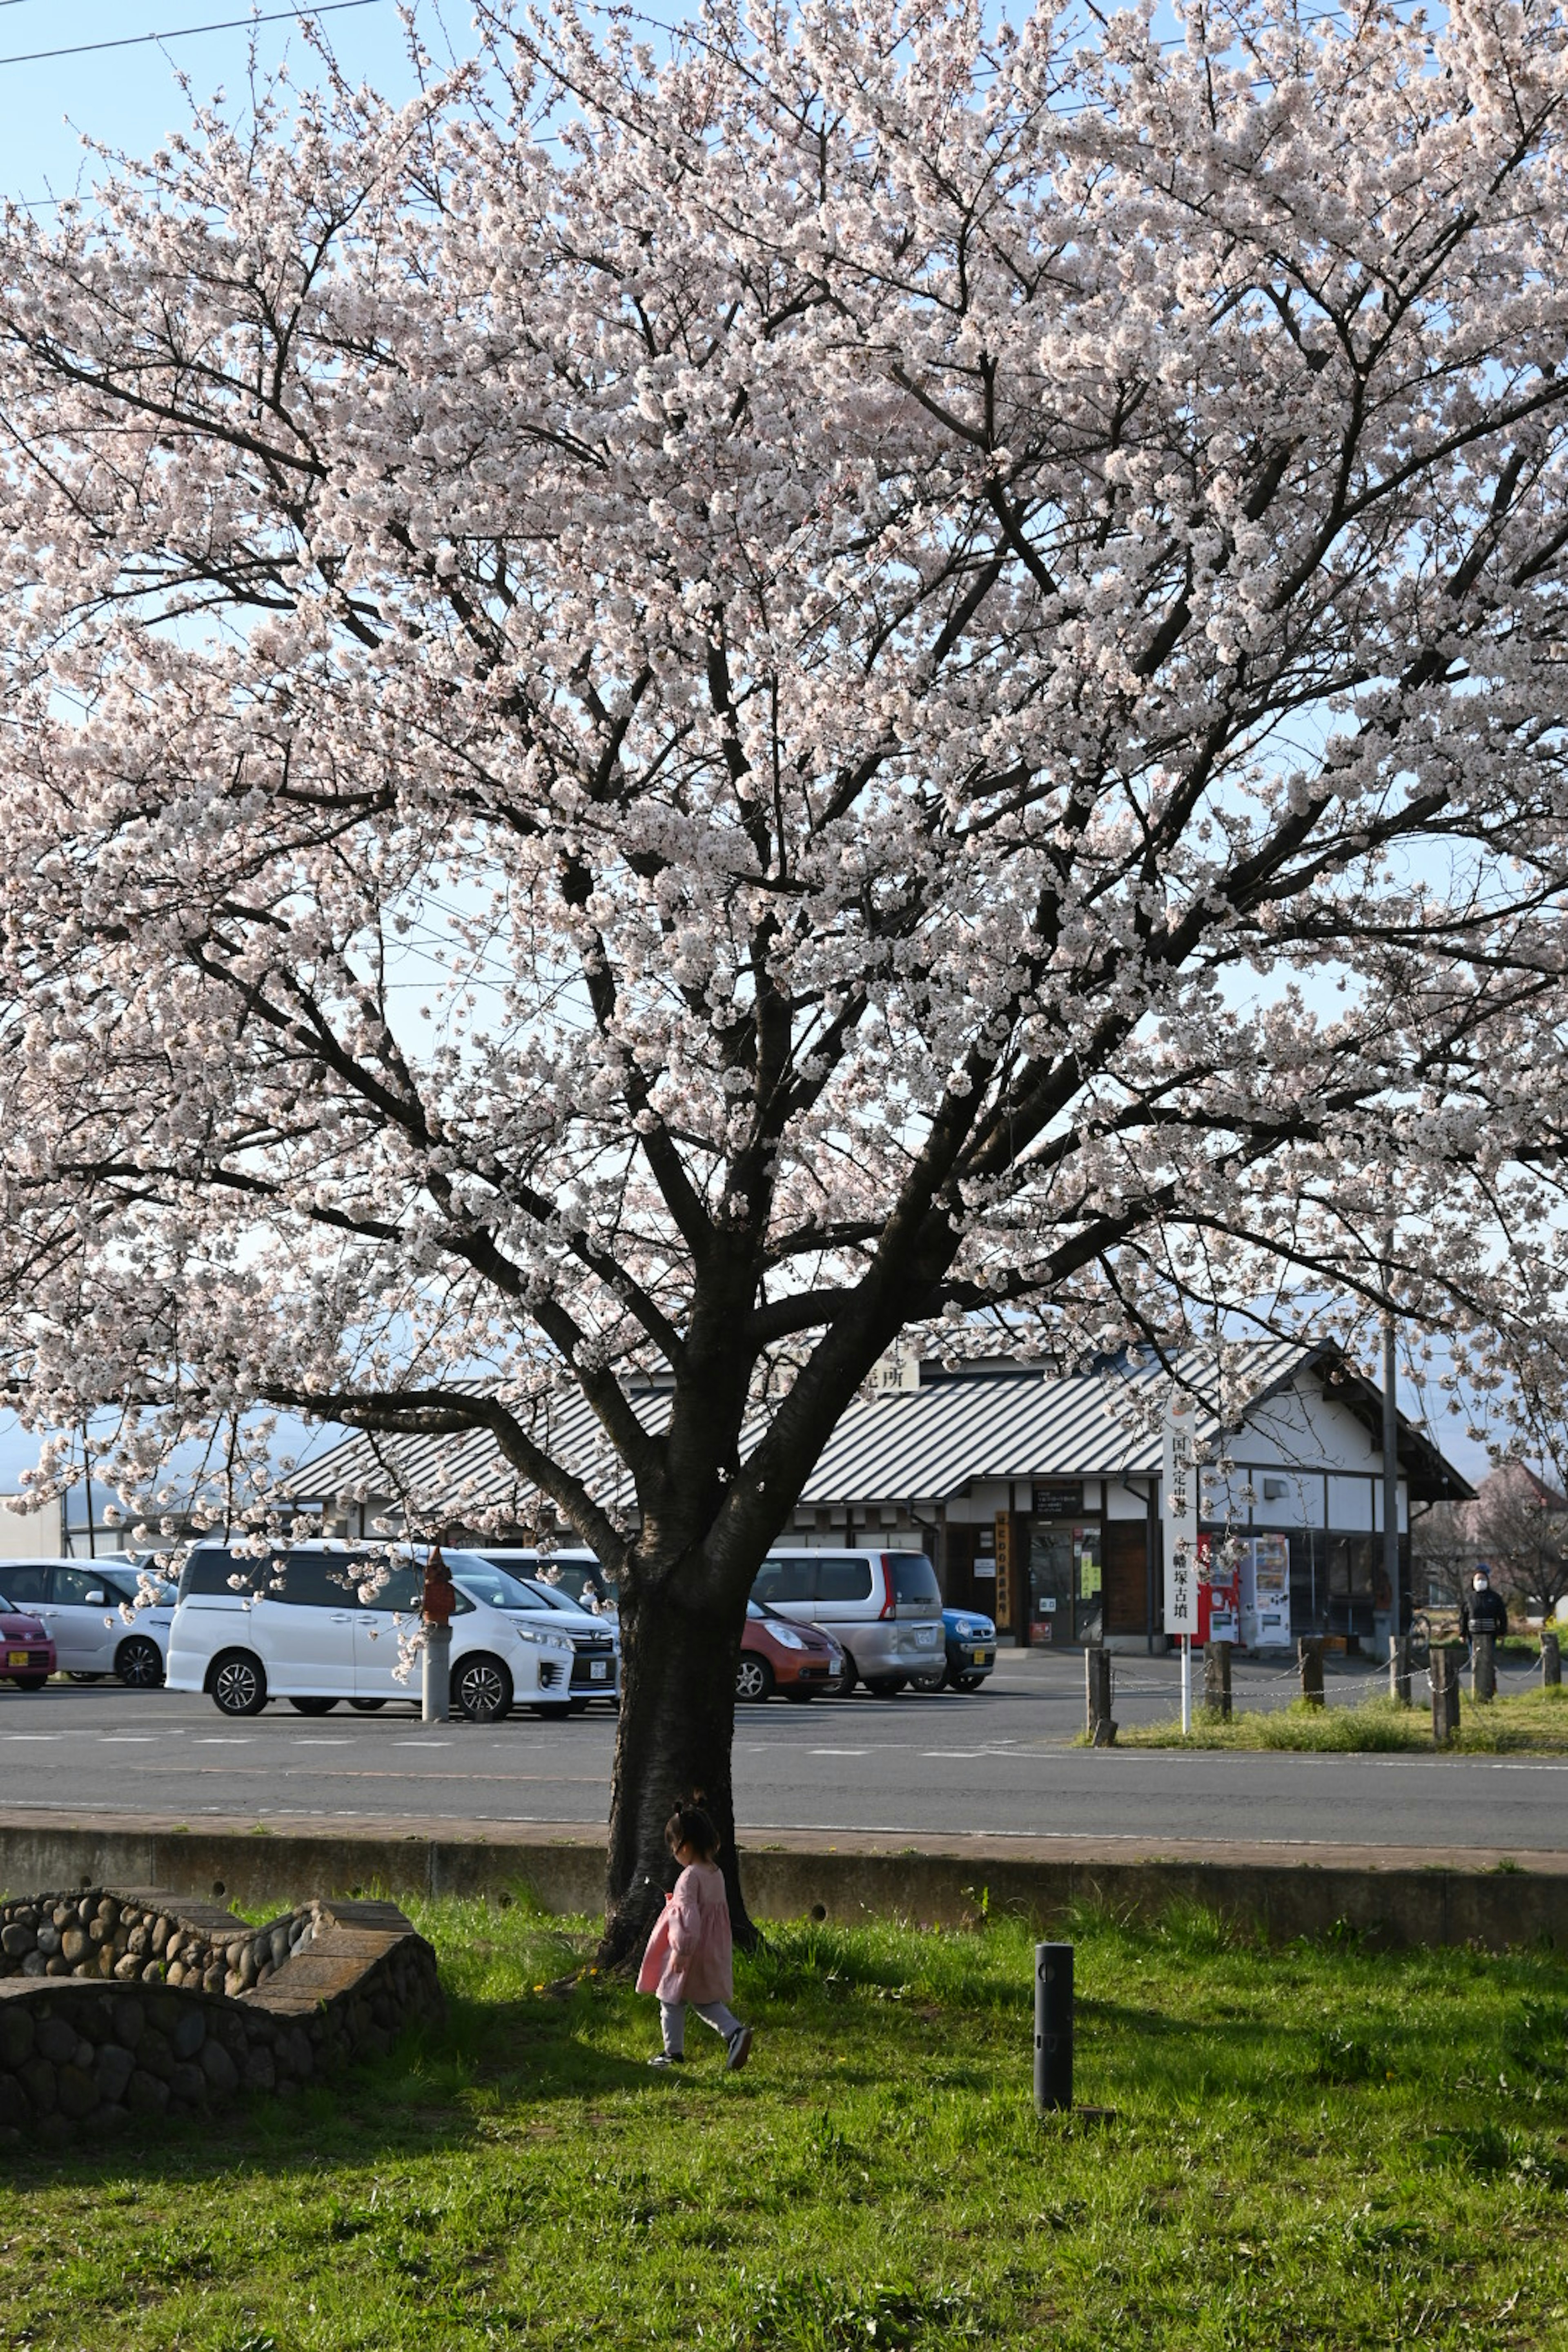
x,y
1391,1480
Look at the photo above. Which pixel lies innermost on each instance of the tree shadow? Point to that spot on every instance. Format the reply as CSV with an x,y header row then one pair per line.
x,y
438,2088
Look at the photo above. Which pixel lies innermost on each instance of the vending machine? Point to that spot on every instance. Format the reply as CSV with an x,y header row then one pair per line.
x,y
1266,1592
1219,1595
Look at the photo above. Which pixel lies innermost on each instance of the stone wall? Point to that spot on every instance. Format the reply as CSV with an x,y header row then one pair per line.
x,y
148,1940
86,2048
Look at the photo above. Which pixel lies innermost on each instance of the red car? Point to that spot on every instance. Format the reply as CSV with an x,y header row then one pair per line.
x,y
777,1654
26,1650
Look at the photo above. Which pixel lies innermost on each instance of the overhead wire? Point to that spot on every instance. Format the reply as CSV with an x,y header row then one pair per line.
x,y
187,32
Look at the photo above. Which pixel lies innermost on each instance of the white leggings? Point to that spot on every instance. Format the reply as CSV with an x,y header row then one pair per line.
x,y
672,2018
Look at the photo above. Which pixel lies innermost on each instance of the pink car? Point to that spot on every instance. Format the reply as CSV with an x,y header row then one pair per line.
x,y
26,1650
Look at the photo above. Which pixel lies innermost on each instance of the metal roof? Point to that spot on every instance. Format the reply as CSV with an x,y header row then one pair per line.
x,y
921,1445
472,1468
928,1442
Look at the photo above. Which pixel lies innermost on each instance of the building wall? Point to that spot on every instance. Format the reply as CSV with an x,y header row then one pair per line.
x,y
30,1535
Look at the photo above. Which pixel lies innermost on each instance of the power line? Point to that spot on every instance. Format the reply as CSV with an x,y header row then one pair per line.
x,y
188,32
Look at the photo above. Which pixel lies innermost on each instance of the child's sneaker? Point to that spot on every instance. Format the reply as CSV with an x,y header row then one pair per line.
x,y
667,2058
739,2049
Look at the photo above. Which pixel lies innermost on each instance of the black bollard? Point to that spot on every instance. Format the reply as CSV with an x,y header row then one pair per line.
x,y
1551,1661
1216,1680
1053,2028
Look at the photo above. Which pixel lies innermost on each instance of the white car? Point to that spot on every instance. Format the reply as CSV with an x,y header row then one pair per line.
x,y
97,1615
596,1642
292,1625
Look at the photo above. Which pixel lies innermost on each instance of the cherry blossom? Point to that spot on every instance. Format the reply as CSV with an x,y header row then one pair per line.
x,y
688,703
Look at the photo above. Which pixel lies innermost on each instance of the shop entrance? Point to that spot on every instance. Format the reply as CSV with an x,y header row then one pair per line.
x,y
1066,1582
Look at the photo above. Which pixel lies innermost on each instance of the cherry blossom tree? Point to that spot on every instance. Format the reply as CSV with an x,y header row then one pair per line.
x,y
679,707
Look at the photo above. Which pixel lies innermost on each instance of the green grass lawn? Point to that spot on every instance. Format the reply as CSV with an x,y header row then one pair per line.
x,y
1312,2147
1533,1722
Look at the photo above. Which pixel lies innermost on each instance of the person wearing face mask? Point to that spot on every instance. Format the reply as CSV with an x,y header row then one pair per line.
x,y
1482,1611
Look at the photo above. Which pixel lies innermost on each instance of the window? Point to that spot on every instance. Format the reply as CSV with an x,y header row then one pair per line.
x,y
915,1578
398,1584
321,1579
494,1586
22,1583
789,1579
842,1579
69,1587
210,1569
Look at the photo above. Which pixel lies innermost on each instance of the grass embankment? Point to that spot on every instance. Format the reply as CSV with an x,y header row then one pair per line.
x,y
1530,1723
1316,2147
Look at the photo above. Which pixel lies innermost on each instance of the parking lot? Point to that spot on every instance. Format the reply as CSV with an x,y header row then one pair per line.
x,y
998,1761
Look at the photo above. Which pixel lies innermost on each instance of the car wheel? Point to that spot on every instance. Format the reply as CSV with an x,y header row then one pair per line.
x,y
481,1688
754,1678
967,1682
885,1686
801,1694
930,1682
842,1684
577,1707
367,1706
237,1683
29,1681
139,1663
84,1678
312,1706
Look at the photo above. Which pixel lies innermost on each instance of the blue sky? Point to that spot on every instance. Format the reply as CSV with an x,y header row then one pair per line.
x,y
128,97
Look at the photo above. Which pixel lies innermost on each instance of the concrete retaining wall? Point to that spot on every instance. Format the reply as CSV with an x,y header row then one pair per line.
x,y
1400,1906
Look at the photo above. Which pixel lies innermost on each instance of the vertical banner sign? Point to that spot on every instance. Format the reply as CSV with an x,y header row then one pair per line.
x,y
1179,1513
1005,1568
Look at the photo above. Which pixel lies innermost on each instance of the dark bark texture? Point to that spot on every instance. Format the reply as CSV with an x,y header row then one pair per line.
x,y
676,1725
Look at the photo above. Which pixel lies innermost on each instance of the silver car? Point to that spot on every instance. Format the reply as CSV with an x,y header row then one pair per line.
x,y
98,1615
883,1608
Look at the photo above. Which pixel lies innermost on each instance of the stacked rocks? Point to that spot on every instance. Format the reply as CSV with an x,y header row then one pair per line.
x,y
102,1935
111,2058
85,2049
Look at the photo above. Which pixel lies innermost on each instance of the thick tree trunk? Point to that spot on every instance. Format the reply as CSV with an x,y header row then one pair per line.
x,y
676,1726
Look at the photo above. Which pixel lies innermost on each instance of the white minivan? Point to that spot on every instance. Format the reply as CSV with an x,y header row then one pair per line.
x,y
322,1623
98,1615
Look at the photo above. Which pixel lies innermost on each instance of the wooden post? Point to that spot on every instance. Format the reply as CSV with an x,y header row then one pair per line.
x,y
1097,1691
1399,1669
1551,1661
1445,1698
1216,1680
1483,1671
1310,1660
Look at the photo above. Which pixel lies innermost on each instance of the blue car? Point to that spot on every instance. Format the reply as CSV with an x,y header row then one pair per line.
x,y
971,1652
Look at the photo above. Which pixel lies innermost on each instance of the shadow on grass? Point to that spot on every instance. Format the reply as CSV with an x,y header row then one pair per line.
x,y
438,2088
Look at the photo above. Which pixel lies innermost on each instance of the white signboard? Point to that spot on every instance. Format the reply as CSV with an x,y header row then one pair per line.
x,y
1179,1513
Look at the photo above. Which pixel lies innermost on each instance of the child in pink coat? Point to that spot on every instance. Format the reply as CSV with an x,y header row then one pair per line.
x,y
689,1960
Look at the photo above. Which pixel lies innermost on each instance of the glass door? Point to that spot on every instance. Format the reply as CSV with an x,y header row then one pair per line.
x,y
1050,1583
1067,1603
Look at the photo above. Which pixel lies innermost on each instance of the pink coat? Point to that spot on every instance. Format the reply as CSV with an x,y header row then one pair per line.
x,y
690,1956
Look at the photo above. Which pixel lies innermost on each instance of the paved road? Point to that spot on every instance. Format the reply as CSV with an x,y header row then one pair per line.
x,y
912,1767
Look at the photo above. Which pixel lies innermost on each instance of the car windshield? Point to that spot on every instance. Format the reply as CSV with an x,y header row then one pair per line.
x,y
491,1585
553,1598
